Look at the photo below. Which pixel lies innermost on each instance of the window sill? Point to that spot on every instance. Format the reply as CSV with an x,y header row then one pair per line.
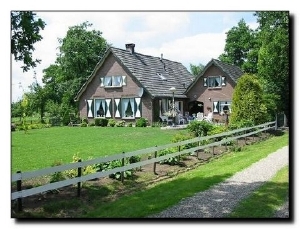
x,y
127,118
214,88
113,87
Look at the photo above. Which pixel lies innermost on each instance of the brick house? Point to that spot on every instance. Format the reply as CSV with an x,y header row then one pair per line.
x,y
126,85
213,87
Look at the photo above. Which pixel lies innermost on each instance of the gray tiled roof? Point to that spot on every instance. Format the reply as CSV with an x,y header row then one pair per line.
x,y
233,71
146,69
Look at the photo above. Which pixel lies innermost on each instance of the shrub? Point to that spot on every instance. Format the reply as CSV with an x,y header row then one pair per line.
x,y
111,122
240,124
101,122
179,137
171,160
120,123
200,128
84,120
115,164
57,176
142,122
247,101
72,173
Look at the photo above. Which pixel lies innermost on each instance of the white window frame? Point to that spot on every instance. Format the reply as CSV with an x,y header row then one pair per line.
x,y
113,81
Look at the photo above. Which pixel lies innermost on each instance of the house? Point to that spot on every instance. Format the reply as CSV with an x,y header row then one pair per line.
x,y
126,85
213,88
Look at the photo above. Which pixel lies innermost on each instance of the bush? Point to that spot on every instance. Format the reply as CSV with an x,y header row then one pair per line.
x,y
120,123
111,122
200,128
142,122
171,160
101,122
84,120
240,124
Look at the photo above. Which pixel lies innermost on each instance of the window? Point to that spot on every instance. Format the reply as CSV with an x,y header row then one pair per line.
x,y
214,81
102,108
130,108
112,81
218,106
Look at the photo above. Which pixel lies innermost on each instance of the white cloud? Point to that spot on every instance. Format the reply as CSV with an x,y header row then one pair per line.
x,y
191,50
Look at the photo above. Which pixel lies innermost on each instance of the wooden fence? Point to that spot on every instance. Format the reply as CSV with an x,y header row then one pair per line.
x,y
225,138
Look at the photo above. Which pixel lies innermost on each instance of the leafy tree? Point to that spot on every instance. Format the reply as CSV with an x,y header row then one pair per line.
x,y
240,42
38,98
25,32
196,69
273,56
247,101
80,51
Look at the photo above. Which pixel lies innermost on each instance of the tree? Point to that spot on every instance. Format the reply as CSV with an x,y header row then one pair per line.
x,y
196,69
240,48
37,97
247,101
273,56
80,51
25,32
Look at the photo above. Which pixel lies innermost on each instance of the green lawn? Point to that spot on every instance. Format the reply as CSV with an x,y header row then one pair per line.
x,y
170,192
40,148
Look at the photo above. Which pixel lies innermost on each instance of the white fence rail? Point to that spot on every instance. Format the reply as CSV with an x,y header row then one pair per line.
x,y
226,137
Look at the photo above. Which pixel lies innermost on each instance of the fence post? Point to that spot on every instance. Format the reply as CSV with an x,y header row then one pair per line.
x,y
123,163
79,171
276,122
154,164
19,188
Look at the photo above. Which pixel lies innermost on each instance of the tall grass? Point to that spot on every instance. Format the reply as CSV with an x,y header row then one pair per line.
x,y
40,148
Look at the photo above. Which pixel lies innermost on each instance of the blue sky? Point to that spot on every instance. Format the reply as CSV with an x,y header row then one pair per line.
x,y
189,37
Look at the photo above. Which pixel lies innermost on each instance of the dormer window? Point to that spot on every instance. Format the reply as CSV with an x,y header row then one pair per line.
x,y
112,81
214,81
161,76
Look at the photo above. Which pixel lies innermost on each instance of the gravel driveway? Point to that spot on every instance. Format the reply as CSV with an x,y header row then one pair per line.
x,y
221,199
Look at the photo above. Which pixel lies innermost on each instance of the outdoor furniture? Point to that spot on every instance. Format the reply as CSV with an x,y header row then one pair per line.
x,y
199,116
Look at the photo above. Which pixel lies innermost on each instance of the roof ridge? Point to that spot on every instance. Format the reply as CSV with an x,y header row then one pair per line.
x,y
146,55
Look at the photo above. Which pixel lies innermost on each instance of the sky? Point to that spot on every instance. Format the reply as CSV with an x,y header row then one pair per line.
x,y
189,37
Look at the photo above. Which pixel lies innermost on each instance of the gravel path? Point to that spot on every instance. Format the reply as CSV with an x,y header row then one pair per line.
x,y
220,199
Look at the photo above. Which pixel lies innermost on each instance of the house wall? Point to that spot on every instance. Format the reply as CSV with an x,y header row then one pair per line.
x,y
207,95
131,89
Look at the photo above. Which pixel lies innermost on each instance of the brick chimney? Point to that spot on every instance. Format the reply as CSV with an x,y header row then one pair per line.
x,y
130,47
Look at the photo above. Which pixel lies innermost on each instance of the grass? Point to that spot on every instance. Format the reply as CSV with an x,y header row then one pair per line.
x,y
264,202
40,148
167,193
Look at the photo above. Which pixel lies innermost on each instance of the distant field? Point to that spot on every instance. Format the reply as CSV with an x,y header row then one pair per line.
x,y
40,148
